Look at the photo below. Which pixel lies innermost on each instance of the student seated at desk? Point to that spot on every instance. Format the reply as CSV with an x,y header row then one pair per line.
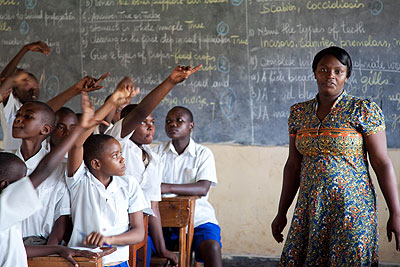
x,y
19,200
189,169
135,132
106,205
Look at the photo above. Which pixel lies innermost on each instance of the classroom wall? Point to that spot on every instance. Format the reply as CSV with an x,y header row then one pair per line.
x,y
246,200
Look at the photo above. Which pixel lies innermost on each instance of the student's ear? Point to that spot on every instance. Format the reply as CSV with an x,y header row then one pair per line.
x,y
95,164
191,126
46,129
3,185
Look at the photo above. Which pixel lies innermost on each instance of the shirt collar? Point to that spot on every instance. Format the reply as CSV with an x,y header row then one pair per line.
x,y
191,148
115,184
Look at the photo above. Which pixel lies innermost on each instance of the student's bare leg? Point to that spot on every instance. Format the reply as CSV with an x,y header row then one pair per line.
x,y
210,251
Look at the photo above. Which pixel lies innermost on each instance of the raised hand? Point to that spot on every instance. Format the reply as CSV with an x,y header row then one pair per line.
x,y
181,73
124,92
87,120
38,46
89,84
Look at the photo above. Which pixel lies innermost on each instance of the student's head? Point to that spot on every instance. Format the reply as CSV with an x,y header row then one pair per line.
x,y
65,123
144,133
28,90
102,154
33,119
339,53
12,169
179,122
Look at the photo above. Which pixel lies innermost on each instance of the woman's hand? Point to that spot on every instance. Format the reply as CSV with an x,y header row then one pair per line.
x,y
393,226
277,226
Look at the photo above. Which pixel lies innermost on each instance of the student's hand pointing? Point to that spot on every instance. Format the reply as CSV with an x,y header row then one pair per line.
x,y
124,92
181,73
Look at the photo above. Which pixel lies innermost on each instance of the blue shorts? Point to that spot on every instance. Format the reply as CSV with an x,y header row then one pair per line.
x,y
202,233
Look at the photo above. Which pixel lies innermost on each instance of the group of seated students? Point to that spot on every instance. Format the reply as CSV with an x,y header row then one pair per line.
x,y
67,183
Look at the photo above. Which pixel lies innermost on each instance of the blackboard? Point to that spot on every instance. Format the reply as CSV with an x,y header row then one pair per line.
x,y
256,55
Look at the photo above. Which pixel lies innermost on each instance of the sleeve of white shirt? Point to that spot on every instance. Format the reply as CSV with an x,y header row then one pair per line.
x,y
63,206
75,179
137,201
17,202
206,167
116,130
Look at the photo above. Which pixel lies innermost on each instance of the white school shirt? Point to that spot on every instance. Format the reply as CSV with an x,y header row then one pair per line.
x,y
53,194
149,178
196,163
104,210
17,202
7,116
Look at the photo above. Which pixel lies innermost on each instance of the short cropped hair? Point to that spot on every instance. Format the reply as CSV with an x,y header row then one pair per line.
x,y
94,147
338,53
65,111
49,116
12,168
127,109
186,110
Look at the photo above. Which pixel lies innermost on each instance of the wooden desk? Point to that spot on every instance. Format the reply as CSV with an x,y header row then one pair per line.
x,y
179,212
57,261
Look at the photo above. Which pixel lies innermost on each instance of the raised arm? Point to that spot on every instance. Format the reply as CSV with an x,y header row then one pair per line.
x,y
54,157
124,92
87,84
291,183
150,102
382,165
38,46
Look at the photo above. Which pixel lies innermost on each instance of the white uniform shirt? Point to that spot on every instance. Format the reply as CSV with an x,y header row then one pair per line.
x,y
196,163
53,194
17,202
7,116
104,210
148,178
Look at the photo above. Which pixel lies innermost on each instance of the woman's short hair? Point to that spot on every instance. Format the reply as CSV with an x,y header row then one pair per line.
x,y
338,53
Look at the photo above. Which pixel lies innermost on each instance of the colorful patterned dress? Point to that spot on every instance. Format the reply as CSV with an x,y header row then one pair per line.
x,y
335,219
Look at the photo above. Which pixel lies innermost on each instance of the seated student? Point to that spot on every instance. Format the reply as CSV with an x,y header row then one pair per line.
x,y
66,120
106,205
34,121
21,93
18,200
134,132
189,169
29,90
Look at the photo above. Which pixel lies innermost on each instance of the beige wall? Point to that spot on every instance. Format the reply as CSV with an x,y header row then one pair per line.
x,y
246,199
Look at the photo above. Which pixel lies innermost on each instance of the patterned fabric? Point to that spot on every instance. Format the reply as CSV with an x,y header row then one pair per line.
x,y
335,219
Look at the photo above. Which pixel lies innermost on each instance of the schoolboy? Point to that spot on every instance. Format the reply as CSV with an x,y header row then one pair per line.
x,y
18,200
134,132
21,93
189,169
34,121
29,90
100,189
66,120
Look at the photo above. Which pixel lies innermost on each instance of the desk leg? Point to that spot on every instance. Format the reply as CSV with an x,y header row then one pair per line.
x,y
190,233
182,249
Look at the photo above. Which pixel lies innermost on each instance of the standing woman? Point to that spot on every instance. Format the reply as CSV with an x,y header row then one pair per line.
x,y
335,222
